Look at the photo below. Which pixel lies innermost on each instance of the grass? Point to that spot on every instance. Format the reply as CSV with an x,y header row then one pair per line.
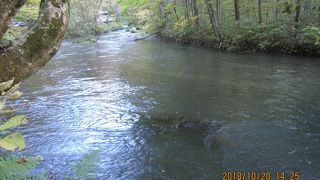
x,y
27,14
34,2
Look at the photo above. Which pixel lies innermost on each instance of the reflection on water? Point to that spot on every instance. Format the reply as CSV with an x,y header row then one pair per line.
x,y
128,99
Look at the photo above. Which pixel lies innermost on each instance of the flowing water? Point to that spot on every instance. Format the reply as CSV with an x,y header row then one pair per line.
x,y
160,110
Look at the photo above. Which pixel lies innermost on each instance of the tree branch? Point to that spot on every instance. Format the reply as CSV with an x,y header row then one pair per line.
x,y
40,44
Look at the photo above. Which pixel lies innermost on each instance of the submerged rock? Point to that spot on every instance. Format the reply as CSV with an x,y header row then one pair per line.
x,y
210,129
210,139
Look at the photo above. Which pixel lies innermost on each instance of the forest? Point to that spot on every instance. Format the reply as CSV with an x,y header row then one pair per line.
x,y
280,26
268,26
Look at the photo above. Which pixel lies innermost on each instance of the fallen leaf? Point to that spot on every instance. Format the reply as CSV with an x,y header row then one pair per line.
x,y
6,85
15,95
14,121
13,141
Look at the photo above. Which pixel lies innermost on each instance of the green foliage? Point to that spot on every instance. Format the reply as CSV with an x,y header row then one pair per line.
x,y
13,142
35,2
86,167
84,23
16,167
208,23
131,6
27,13
84,15
12,167
82,18
104,27
313,33
14,33
136,12
14,121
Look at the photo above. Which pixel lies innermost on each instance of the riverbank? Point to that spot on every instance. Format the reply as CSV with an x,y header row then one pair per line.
x,y
250,41
276,38
231,25
256,40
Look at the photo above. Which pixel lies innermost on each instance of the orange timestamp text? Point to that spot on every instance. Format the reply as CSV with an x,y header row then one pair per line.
x,y
294,175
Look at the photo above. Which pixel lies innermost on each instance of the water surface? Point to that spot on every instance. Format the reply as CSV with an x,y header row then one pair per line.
x,y
121,96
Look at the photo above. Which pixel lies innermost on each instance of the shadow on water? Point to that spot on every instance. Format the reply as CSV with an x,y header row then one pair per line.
x,y
161,110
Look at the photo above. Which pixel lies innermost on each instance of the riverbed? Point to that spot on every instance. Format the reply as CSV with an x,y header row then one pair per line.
x,y
133,100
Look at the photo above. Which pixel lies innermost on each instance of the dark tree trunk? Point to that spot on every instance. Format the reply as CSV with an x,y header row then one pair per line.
x,y
175,9
307,9
276,11
287,7
186,9
40,44
212,19
211,15
298,10
195,11
260,11
237,9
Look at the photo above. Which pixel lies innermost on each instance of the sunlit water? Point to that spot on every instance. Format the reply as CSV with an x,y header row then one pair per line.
x,y
109,95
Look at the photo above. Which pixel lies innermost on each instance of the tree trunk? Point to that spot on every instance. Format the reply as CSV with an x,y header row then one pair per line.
x,y
218,12
161,14
307,9
260,11
237,9
211,15
175,9
96,13
276,11
186,9
287,7
8,9
298,10
40,44
212,19
195,11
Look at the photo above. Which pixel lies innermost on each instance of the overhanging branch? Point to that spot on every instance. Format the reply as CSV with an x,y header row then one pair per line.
x,y
40,44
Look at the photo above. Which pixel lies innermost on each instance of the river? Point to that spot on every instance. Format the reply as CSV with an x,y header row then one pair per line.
x,y
127,98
